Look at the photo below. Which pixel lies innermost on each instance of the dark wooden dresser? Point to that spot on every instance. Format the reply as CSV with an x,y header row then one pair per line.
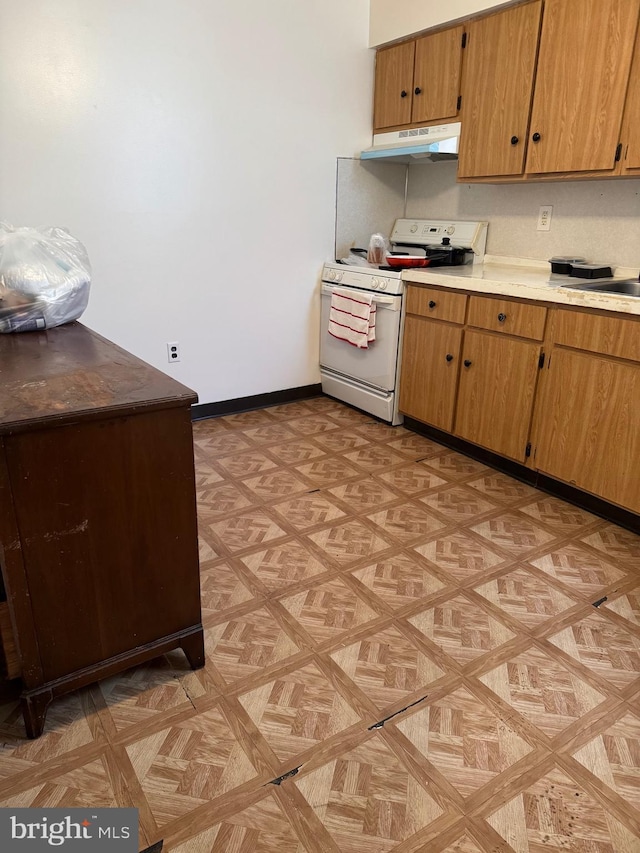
x,y
98,532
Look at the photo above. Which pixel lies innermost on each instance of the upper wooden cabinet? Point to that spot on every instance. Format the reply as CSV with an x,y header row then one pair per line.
x,y
394,85
630,136
436,79
418,82
581,83
544,90
499,70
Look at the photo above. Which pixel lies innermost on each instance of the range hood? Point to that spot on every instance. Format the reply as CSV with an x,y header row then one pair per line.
x,y
416,145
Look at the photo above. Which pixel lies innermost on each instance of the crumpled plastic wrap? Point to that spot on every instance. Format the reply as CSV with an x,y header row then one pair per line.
x,y
378,248
45,278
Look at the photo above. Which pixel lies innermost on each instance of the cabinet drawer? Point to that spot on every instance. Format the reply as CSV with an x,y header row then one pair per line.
x,y
508,316
611,335
437,304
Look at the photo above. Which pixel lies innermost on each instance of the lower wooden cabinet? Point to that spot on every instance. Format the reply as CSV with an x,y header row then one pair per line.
x,y
608,334
497,387
554,388
590,434
431,358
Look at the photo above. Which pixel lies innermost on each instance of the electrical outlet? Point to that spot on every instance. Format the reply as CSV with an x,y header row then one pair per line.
x,y
544,217
173,351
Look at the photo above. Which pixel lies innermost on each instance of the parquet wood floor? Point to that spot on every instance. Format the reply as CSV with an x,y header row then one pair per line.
x,y
403,656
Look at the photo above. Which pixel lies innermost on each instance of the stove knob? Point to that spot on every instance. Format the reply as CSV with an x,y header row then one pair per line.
x,y
451,229
413,228
383,283
375,284
339,276
331,275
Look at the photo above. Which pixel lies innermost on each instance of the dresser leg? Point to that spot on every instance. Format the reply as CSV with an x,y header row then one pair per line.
x,y
34,712
193,647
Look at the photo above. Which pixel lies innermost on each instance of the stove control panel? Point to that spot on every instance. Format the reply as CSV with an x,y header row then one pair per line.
x,y
366,278
430,230
427,232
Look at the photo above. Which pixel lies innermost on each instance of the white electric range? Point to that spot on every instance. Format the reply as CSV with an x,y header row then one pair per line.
x,y
369,378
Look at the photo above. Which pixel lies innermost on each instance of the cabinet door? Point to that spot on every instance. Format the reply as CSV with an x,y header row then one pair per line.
x,y
394,86
590,436
499,67
430,361
630,135
436,79
497,385
581,83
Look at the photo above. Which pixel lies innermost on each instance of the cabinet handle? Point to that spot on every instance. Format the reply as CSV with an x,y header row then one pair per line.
x,y
432,304
403,94
449,357
417,91
536,137
467,363
514,140
502,318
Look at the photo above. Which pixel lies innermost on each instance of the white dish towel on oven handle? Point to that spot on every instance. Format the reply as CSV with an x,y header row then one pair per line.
x,y
352,317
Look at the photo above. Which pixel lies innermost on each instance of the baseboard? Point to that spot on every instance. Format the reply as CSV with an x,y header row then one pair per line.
x,y
257,401
598,506
571,494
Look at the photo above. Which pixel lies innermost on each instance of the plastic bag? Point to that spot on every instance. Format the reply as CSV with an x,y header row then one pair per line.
x,y
45,277
378,248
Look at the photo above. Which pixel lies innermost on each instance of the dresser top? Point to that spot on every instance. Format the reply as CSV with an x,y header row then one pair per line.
x,y
70,371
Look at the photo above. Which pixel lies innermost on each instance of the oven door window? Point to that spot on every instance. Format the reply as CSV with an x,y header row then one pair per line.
x,y
375,366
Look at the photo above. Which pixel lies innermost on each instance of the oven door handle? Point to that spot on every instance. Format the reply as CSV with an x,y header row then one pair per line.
x,y
392,301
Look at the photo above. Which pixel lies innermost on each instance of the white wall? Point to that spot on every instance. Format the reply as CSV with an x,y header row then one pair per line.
x,y
192,147
393,19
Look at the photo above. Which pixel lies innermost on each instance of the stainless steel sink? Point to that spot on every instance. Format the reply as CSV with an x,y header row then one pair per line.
x,y
624,286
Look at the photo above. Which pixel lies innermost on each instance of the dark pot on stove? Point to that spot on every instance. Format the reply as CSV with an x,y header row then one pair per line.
x,y
446,254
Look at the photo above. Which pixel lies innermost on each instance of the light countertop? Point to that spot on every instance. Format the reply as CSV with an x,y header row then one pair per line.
x,y
525,279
